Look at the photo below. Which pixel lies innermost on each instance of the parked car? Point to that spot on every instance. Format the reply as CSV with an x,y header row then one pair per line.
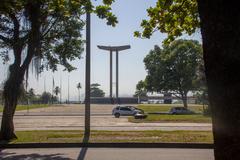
x,y
180,110
126,111
140,116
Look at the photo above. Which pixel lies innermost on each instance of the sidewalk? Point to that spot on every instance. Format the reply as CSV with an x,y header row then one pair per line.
x,y
107,154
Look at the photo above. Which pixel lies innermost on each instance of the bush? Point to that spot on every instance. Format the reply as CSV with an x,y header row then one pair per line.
x,y
207,111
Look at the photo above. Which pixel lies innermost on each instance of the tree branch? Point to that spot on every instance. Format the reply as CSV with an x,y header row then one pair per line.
x,y
5,39
176,9
49,29
16,25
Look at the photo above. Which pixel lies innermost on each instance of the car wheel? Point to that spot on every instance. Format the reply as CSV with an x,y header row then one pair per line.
x,y
117,115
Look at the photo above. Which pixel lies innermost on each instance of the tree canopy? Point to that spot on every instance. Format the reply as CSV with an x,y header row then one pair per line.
x,y
173,17
173,69
141,89
58,23
96,91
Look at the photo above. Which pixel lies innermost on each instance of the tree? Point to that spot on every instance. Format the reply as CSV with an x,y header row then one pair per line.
x,y
56,91
140,89
173,17
49,32
79,87
219,24
46,97
202,92
95,91
31,93
173,68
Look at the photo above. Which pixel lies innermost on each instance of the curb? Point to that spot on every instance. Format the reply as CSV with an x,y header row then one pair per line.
x,y
109,145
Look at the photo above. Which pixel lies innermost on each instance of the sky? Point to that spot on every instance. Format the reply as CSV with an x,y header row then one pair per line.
x,y
131,66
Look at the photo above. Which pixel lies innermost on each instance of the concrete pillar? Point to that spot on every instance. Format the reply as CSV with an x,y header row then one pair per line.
x,y
117,75
110,74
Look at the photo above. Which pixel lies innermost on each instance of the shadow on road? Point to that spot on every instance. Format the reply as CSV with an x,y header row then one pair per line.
x,y
13,156
83,151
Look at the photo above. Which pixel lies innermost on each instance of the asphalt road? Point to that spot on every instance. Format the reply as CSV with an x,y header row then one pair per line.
x,y
71,117
98,123
107,154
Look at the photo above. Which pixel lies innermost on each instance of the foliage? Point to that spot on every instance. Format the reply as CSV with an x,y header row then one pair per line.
x,y
46,97
140,89
202,93
173,17
207,111
79,86
173,69
60,22
96,91
31,93
46,33
202,97
56,90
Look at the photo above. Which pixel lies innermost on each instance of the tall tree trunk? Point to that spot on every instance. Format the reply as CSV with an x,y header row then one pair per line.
x,y
220,27
11,94
184,99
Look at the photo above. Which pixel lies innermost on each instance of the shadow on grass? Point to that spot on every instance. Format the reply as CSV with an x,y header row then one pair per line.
x,y
83,150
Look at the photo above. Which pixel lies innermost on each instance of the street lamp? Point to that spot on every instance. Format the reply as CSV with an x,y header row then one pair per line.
x,y
87,77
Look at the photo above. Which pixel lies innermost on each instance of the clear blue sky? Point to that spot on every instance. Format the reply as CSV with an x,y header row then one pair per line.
x,y
131,67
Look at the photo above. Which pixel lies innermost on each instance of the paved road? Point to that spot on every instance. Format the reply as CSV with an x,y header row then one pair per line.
x,y
98,123
71,117
107,154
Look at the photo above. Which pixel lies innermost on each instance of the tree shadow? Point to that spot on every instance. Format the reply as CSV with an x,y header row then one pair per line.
x,y
83,151
13,156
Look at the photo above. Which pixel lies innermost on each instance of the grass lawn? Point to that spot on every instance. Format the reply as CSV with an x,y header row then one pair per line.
x,y
25,107
166,107
195,118
173,118
114,136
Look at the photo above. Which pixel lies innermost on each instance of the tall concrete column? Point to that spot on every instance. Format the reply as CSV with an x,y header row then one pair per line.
x,y
110,74
117,75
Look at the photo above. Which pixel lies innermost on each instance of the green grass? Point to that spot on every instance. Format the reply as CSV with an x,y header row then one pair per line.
x,y
25,107
195,118
173,118
114,136
166,107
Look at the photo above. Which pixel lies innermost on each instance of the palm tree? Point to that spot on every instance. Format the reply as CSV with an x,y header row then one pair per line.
x,y
56,91
79,87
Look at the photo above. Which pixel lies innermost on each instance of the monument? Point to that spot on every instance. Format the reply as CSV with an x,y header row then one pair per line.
x,y
112,49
